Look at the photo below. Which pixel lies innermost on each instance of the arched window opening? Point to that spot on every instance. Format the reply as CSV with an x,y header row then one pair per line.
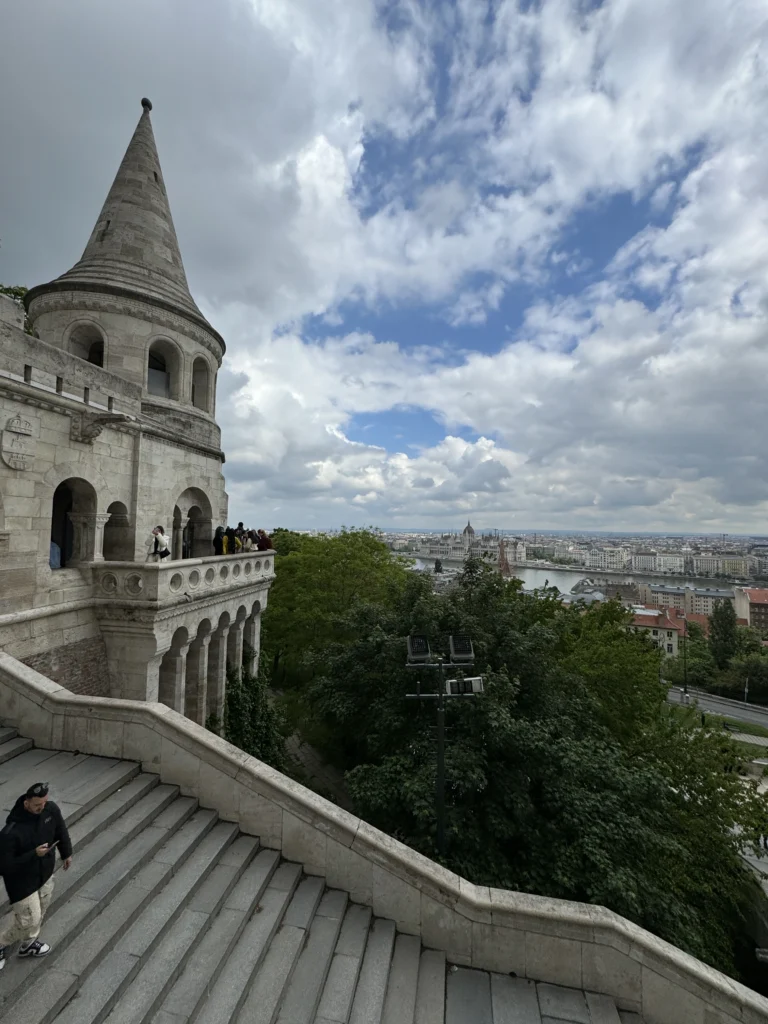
x,y
96,353
195,522
173,671
73,523
87,342
158,378
201,378
163,370
118,536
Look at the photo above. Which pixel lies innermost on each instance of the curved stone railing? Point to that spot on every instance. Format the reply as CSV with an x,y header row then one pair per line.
x,y
192,577
572,944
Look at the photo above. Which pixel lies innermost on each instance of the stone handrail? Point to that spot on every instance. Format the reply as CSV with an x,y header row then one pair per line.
x,y
564,943
196,577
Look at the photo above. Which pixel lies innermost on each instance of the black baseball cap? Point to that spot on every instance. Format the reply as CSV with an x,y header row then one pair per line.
x,y
38,789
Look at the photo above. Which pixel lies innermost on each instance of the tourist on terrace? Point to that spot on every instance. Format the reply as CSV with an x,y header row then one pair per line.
x,y
159,545
248,540
218,541
33,830
263,543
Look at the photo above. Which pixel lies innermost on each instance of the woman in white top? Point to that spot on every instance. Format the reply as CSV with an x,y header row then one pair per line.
x,y
158,544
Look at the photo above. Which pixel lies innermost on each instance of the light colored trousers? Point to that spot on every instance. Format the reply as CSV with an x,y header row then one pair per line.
x,y
26,917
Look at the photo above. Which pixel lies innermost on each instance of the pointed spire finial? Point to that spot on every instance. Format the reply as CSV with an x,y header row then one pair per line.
x,y
133,249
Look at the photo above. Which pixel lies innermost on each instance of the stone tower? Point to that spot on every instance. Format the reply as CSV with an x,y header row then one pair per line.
x,y
108,430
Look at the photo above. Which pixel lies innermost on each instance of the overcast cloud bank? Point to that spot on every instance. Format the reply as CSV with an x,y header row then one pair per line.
x,y
538,232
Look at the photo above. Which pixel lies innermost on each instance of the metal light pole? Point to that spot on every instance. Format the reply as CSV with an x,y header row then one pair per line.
x,y
685,659
462,656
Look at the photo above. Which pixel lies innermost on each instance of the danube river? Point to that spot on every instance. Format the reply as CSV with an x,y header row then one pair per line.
x,y
565,580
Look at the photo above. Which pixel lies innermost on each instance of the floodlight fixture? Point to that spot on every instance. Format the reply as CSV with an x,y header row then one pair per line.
x,y
461,649
464,687
418,650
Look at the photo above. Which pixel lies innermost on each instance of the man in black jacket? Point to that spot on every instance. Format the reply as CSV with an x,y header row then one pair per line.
x,y
33,831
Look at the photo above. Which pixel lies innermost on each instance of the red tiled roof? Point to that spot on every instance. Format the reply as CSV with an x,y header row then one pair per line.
x,y
756,595
654,622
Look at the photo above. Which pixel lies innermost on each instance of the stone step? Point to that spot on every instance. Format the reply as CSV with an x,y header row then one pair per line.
x,y
371,989
339,989
430,992
7,732
273,976
160,938
203,967
65,772
303,993
231,987
627,1017
94,844
400,998
468,997
11,747
602,1009
514,1000
563,1003
96,781
89,924
17,775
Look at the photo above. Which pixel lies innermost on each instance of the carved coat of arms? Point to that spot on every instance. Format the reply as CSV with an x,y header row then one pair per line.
x,y
18,443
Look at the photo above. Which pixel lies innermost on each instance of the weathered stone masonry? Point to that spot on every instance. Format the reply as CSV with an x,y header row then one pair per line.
x,y
107,429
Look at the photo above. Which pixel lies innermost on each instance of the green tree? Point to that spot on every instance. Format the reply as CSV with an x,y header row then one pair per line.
x,y
438,565
567,778
723,633
252,721
319,579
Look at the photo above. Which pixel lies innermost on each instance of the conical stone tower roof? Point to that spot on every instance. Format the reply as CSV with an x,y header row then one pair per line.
x,y
133,249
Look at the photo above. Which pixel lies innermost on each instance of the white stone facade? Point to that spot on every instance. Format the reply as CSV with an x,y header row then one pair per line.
x,y
107,430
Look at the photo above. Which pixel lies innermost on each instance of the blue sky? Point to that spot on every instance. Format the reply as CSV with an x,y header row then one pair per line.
x,y
472,258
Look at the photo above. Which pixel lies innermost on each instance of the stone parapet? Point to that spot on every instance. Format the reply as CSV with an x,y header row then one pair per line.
x,y
192,578
555,941
49,369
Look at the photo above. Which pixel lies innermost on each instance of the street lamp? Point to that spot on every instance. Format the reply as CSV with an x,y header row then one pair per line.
x,y
685,657
462,656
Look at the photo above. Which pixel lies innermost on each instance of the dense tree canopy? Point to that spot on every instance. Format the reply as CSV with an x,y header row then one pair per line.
x,y
568,777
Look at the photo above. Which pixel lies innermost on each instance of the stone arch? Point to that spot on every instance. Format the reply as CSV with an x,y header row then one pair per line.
x,y
201,384
118,535
165,368
62,471
87,340
172,671
73,523
195,514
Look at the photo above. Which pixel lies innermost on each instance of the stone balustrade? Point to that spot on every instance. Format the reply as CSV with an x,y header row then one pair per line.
x,y
563,943
188,578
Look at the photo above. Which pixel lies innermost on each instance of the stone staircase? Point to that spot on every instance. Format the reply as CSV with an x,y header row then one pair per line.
x,y
169,916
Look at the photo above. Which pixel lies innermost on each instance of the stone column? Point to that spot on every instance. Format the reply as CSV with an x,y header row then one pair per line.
x,y
252,644
178,540
235,647
133,663
196,697
173,671
88,540
202,539
217,673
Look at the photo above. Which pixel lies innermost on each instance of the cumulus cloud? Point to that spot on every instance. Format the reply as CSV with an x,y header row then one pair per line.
x,y
346,160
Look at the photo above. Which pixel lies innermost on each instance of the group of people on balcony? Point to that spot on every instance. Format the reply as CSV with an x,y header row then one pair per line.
x,y
233,540
229,541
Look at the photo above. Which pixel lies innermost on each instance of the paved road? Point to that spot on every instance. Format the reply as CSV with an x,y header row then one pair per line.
x,y
729,708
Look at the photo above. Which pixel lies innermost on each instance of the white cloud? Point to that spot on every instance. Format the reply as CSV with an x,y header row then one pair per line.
x,y
430,157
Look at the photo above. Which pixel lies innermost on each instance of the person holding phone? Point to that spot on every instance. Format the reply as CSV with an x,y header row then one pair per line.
x,y
33,831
